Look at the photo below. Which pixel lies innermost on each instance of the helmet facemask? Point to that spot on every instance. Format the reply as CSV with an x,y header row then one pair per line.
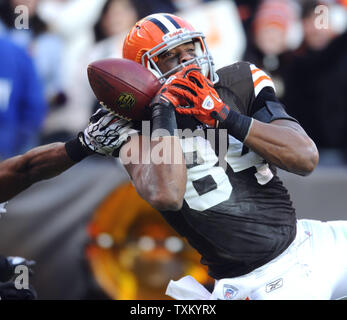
x,y
203,58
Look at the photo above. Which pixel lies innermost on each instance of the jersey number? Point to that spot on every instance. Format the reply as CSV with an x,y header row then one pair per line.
x,y
207,183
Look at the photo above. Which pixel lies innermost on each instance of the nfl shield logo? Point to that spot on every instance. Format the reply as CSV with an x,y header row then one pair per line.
x,y
229,292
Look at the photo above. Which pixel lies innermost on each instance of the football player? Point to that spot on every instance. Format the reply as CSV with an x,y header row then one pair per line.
x,y
240,219
8,274
104,136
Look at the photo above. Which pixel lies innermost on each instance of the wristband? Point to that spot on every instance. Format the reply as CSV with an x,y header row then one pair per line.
x,y
75,149
163,117
237,124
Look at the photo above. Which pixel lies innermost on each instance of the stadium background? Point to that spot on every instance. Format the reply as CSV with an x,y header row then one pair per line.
x,y
90,234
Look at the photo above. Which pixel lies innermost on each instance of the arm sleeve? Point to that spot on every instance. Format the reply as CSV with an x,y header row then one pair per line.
x,y
266,94
267,108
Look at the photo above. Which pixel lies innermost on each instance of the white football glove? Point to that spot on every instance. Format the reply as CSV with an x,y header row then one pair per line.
x,y
106,133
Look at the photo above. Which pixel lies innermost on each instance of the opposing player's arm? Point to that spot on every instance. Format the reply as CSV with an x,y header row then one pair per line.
x,y
104,135
20,172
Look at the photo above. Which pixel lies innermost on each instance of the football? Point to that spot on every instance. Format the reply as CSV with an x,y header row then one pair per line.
x,y
123,87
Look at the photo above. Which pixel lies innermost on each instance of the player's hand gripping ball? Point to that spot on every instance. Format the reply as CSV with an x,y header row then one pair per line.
x,y
202,100
123,87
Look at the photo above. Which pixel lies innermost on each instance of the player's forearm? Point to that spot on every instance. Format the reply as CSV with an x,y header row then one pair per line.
x,y
161,176
284,144
157,170
20,172
161,185
47,161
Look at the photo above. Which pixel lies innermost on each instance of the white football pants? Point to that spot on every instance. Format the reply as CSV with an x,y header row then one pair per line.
x,y
313,267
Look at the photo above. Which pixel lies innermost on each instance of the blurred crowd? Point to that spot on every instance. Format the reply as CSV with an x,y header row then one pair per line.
x,y
46,46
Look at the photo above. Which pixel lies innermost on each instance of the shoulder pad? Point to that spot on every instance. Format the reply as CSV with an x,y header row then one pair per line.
x,y
236,86
234,73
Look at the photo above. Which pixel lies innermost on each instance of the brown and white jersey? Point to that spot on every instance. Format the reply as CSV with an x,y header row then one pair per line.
x,y
237,214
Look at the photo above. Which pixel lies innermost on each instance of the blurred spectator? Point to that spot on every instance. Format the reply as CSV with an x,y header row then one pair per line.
x,y
73,21
221,24
115,20
271,26
316,90
271,36
147,7
247,10
22,104
43,45
317,36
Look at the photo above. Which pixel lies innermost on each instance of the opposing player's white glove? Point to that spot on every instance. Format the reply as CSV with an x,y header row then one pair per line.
x,y
106,133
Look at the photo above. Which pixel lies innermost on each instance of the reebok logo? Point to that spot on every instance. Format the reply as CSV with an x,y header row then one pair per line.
x,y
208,103
274,285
